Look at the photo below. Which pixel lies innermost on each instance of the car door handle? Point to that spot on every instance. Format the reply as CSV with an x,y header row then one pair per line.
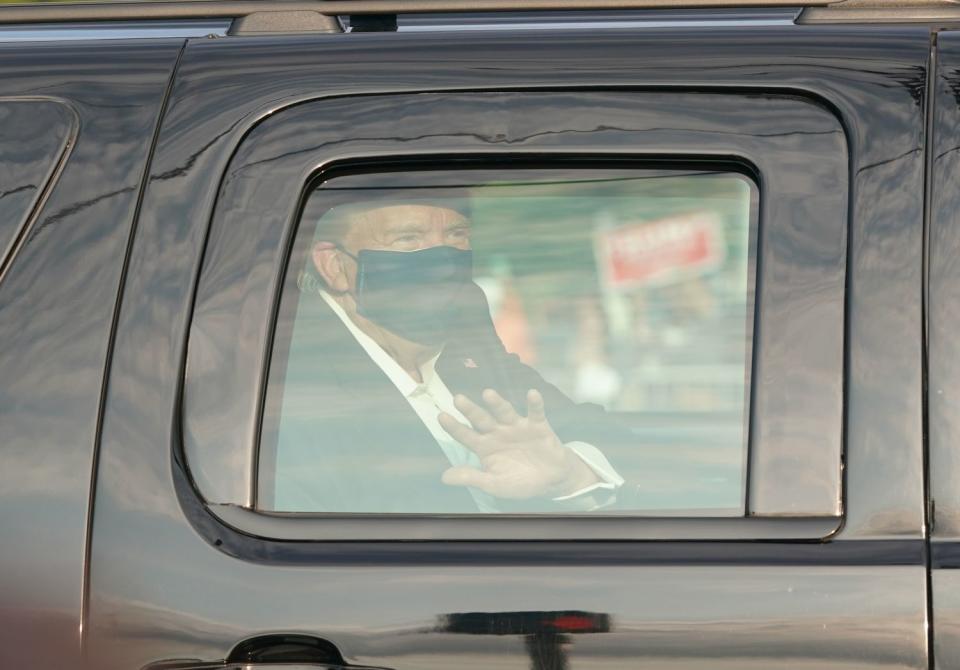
x,y
274,651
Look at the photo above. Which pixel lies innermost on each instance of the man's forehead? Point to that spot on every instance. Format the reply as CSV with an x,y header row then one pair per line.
x,y
400,213
384,215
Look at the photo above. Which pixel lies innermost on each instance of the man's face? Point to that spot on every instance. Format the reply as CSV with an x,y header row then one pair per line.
x,y
390,228
407,228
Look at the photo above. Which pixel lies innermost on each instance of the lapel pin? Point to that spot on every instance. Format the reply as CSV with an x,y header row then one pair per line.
x,y
469,363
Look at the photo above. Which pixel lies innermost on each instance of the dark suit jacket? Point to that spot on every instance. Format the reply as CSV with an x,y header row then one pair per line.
x,y
340,437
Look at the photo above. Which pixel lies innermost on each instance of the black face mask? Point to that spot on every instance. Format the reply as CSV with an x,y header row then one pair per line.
x,y
415,294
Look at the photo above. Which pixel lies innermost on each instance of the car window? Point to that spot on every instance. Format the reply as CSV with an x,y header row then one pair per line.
x,y
33,137
526,340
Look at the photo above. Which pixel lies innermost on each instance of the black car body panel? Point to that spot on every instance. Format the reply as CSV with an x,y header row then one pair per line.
x,y
941,324
60,285
161,590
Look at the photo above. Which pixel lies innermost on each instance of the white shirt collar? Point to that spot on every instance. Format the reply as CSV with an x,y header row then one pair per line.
x,y
400,377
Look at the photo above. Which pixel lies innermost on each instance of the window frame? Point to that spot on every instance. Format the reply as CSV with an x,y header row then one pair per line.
x,y
770,512
61,125
505,168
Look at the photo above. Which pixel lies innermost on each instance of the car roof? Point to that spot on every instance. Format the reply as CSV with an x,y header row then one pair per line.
x,y
280,16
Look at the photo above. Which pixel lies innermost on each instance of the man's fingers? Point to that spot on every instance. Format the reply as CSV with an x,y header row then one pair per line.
x,y
465,435
463,475
502,410
535,408
476,415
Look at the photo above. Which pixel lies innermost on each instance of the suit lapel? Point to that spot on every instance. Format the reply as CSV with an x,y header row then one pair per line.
x,y
381,453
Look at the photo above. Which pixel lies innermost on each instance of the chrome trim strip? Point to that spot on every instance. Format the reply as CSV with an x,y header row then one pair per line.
x,y
596,25
68,32
392,527
723,18
184,9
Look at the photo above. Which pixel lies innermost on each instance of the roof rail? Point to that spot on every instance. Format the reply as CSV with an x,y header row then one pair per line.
x,y
814,11
883,11
58,12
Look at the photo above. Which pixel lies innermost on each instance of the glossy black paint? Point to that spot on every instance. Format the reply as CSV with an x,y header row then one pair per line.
x,y
57,302
944,372
35,136
944,309
199,602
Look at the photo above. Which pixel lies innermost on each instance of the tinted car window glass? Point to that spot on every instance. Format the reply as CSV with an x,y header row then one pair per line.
x,y
33,135
546,341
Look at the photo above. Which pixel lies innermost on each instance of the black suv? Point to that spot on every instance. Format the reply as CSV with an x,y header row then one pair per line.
x,y
395,335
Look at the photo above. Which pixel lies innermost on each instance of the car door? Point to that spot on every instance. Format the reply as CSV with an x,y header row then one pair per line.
x,y
941,322
76,123
790,530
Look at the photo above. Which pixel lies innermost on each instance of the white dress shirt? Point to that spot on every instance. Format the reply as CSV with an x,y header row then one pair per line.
x,y
431,396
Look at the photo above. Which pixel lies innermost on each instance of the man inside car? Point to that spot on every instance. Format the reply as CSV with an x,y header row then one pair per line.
x,y
394,355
